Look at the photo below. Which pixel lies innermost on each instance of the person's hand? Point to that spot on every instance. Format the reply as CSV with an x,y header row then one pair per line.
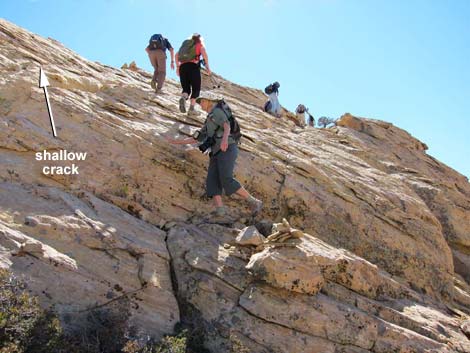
x,y
224,145
209,72
178,70
172,65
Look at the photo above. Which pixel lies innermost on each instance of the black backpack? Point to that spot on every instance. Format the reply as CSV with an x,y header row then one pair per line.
x,y
156,42
273,87
235,131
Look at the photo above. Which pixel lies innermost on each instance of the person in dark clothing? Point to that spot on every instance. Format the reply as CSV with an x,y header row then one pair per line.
x,y
223,156
156,51
189,71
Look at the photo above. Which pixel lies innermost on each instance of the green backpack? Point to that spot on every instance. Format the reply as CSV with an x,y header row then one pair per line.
x,y
187,51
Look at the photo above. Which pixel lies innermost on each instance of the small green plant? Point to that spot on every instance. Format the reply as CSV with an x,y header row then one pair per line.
x,y
169,344
24,325
174,344
123,191
26,328
324,121
236,345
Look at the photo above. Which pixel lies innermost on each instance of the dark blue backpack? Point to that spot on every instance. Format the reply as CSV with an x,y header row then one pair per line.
x,y
273,87
157,42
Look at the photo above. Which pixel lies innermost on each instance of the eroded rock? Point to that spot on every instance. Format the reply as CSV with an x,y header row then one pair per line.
x,y
380,225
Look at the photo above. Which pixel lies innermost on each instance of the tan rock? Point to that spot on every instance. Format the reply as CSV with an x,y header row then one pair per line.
x,y
249,236
393,221
285,272
133,66
466,327
86,252
266,318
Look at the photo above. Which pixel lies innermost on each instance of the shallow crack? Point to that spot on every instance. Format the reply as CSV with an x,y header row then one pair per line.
x,y
326,338
174,280
124,295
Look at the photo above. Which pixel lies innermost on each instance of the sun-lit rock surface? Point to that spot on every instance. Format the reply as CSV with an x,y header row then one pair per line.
x,y
383,266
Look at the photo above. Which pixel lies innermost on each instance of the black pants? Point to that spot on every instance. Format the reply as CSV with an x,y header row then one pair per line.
x,y
190,78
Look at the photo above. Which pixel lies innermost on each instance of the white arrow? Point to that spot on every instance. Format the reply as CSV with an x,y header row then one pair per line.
x,y
43,83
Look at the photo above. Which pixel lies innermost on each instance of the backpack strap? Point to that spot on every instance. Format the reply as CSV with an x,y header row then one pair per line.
x,y
236,135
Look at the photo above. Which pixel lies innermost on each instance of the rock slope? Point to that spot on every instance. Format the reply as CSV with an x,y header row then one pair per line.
x,y
383,266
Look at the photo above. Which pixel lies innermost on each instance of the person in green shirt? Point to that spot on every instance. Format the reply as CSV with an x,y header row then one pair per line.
x,y
224,152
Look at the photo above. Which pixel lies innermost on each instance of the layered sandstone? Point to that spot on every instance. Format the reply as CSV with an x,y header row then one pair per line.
x,y
383,264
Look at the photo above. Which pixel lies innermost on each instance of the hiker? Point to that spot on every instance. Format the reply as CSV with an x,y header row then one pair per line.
x,y
272,106
189,70
311,119
156,51
300,114
221,134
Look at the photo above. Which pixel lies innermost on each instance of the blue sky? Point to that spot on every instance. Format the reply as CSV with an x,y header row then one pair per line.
x,y
406,62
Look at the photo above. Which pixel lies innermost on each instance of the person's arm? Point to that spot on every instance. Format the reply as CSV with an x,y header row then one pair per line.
x,y
206,59
172,54
177,64
185,141
224,143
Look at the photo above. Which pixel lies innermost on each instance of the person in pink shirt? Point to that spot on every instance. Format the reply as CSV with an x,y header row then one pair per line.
x,y
189,70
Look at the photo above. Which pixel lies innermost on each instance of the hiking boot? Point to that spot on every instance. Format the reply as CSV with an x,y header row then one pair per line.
x,y
219,211
192,111
182,102
256,206
153,84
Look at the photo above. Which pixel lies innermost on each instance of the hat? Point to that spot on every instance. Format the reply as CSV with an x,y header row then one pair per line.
x,y
208,97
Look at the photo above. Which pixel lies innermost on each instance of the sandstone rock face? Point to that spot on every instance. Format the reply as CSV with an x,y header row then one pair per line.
x,y
223,292
80,252
382,265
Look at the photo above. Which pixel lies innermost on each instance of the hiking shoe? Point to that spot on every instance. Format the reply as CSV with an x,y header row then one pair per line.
x,y
256,206
182,102
153,84
193,113
219,211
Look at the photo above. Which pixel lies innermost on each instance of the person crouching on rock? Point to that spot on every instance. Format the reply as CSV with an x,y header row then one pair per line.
x,y
216,135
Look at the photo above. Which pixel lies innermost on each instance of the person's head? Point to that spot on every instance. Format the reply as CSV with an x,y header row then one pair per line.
x,y
206,103
197,38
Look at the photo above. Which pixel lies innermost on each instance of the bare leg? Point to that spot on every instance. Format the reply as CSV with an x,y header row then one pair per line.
x,y
218,201
243,193
193,103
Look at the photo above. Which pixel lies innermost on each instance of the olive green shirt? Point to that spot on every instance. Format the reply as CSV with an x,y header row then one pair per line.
x,y
214,126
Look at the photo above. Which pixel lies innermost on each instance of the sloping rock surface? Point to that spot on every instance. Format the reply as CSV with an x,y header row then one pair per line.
x,y
384,264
